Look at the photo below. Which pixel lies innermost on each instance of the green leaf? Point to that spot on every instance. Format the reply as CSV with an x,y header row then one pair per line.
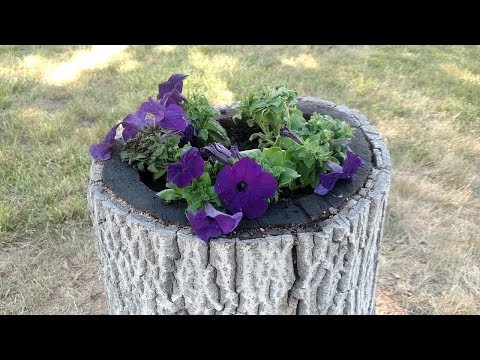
x,y
157,175
203,134
287,176
169,195
149,151
196,194
270,109
203,117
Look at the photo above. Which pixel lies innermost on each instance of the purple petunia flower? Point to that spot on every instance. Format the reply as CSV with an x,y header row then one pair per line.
x,y
285,131
133,123
235,152
190,167
169,117
350,166
169,92
218,152
245,187
210,222
103,150
189,136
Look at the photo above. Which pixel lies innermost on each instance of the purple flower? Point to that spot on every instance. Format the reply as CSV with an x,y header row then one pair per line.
x,y
174,118
133,123
169,92
190,167
245,187
169,117
212,223
350,166
235,153
218,152
189,136
103,150
285,131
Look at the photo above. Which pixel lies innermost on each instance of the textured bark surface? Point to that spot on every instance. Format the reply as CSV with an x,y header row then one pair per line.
x,y
155,268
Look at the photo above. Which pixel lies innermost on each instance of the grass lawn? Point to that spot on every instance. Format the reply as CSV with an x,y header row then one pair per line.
x,y
57,100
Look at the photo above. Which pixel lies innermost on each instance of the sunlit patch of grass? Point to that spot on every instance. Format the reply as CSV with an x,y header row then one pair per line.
x,y
97,57
423,100
167,49
462,74
212,70
302,61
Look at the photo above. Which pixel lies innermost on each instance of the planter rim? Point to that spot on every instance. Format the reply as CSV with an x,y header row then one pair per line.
x,y
309,213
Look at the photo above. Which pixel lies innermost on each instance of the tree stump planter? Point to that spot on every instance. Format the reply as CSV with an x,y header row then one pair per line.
x,y
316,255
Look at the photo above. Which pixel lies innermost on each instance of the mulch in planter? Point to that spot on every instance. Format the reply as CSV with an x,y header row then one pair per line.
x,y
295,210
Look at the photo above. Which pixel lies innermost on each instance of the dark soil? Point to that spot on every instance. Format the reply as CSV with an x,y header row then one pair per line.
x,y
147,178
239,135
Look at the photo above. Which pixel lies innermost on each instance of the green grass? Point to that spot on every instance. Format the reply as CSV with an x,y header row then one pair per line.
x,y
423,99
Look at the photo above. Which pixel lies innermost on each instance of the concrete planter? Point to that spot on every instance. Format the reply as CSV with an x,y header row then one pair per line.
x,y
316,256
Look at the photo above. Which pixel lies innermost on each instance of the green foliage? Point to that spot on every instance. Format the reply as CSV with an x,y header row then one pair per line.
x,y
293,165
309,161
150,150
269,108
199,192
324,129
203,116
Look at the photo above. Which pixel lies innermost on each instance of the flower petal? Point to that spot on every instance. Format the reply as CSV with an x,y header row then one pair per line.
x,y
152,107
254,208
102,150
190,167
351,164
334,167
204,226
225,182
218,152
263,186
196,166
251,168
285,131
235,152
327,182
173,119
226,222
250,197
132,124
175,81
189,136
189,155
173,170
173,97
182,179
